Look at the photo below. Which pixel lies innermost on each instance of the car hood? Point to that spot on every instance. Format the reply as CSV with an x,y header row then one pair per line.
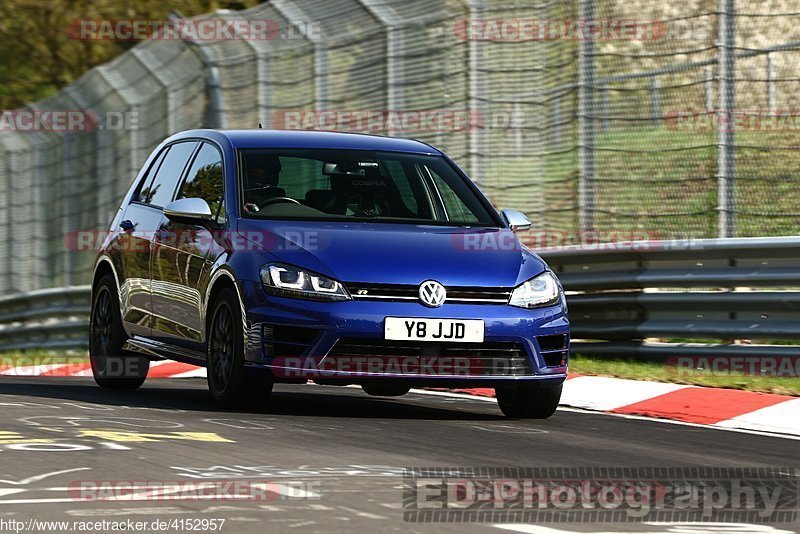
x,y
378,253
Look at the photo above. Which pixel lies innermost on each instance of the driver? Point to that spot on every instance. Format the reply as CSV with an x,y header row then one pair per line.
x,y
263,172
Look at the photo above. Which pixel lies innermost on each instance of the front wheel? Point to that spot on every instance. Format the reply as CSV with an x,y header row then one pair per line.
x,y
111,368
227,380
529,401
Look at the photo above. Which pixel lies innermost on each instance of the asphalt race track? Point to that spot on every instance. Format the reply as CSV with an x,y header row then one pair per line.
x,y
334,456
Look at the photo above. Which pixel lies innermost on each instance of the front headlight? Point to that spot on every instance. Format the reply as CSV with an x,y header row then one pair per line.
x,y
542,290
289,281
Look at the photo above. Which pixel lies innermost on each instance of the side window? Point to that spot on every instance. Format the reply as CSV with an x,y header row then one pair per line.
x,y
398,176
204,179
160,191
144,187
456,210
300,175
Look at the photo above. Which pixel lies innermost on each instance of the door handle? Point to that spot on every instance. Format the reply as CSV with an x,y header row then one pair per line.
x,y
127,225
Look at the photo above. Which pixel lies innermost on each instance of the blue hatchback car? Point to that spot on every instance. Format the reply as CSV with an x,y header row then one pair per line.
x,y
288,256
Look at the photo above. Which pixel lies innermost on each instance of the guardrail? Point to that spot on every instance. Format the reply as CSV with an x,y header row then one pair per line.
x,y
47,319
623,298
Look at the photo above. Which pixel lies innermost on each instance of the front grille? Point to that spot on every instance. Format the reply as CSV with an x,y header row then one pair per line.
x,y
554,349
411,357
455,294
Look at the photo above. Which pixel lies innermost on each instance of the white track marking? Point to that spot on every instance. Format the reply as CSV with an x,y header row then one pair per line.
x,y
37,478
783,417
623,416
667,528
604,393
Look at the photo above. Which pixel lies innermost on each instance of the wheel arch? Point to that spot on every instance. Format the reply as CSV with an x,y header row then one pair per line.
x,y
222,279
102,267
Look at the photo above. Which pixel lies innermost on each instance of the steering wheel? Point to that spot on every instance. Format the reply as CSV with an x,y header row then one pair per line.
x,y
275,200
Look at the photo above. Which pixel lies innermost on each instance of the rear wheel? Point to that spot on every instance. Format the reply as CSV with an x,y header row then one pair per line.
x,y
386,390
529,401
111,368
229,384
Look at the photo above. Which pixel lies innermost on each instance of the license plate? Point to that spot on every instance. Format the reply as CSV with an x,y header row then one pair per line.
x,y
449,330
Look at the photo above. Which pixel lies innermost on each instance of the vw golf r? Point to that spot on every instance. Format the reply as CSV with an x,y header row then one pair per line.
x,y
288,256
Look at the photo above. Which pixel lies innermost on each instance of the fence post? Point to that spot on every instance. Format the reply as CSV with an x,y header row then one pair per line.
x,y
655,100
557,121
604,108
586,117
709,89
726,200
770,84
477,97
388,18
516,127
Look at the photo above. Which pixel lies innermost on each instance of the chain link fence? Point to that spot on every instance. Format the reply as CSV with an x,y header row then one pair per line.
x,y
601,120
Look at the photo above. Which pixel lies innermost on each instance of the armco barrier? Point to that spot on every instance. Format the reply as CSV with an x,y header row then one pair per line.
x,y
50,319
626,299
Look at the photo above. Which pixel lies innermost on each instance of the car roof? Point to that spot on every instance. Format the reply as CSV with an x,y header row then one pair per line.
x,y
309,139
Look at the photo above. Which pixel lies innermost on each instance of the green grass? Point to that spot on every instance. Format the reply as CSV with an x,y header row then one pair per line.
x,y
660,181
656,372
38,357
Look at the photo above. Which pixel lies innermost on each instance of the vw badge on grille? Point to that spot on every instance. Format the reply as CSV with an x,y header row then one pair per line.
x,y
432,293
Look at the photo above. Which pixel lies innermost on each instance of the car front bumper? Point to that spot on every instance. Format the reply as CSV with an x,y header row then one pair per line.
x,y
330,323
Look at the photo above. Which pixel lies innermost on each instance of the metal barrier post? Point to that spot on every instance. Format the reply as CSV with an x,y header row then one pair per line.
x,y
726,199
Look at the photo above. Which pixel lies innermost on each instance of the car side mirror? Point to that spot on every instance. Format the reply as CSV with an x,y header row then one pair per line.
x,y
516,220
188,210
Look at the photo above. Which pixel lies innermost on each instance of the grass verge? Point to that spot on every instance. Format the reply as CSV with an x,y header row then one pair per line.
x,y
657,372
18,359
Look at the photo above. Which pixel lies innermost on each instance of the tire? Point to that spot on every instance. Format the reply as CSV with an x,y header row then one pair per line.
x,y
111,367
228,382
394,389
529,401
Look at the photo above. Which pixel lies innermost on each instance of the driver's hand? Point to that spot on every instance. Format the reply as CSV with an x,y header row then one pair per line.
x,y
249,207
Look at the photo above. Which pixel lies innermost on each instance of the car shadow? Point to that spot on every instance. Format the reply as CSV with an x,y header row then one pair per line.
x,y
287,400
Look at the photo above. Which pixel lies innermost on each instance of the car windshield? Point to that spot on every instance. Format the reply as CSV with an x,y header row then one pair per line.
x,y
308,184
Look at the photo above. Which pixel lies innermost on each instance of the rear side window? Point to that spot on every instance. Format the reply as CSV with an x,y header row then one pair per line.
x,y
159,191
204,179
141,192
